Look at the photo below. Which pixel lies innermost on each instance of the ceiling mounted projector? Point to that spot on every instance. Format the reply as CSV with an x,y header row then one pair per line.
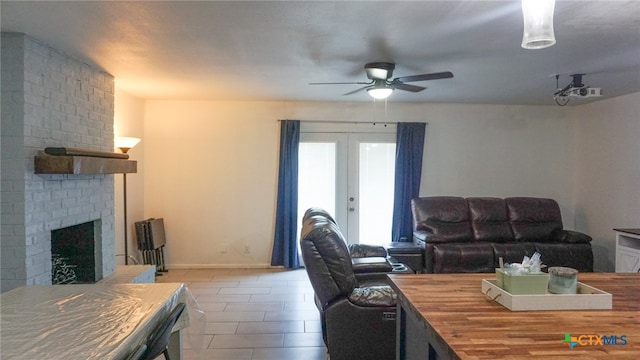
x,y
575,90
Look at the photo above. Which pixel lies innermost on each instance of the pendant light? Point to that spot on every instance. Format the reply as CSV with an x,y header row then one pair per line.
x,y
538,24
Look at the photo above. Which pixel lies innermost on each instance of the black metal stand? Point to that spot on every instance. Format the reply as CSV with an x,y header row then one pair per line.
x,y
126,240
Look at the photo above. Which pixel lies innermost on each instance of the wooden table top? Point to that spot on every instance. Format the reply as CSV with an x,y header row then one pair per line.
x,y
470,326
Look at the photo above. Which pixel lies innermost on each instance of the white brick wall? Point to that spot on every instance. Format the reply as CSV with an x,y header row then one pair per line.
x,y
55,100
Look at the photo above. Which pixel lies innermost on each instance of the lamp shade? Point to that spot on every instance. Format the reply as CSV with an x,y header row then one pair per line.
x,y
538,24
126,143
380,92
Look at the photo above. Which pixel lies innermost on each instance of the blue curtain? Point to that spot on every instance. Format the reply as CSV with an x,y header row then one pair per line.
x,y
409,148
285,250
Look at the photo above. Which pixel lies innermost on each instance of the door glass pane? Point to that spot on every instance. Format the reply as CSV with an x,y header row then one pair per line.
x,y
376,170
316,177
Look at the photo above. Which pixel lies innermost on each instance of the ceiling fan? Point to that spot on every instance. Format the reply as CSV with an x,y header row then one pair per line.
x,y
381,85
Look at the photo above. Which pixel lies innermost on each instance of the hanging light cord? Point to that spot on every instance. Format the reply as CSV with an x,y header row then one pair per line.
x,y
385,113
374,112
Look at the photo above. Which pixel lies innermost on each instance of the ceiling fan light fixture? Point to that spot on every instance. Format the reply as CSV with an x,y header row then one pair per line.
x,y
379,70
538,24
379,73
380,93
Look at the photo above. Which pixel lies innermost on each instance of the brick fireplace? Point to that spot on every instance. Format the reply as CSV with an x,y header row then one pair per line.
x,y
51,99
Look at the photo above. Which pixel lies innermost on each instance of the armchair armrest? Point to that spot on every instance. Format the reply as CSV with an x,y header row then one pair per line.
x,y
373,296
363,250
570,236
371,265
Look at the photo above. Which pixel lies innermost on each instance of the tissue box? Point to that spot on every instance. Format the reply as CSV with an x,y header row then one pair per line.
x,y
530,284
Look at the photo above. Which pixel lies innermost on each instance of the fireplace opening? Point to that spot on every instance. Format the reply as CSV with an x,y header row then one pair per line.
x,y
76,255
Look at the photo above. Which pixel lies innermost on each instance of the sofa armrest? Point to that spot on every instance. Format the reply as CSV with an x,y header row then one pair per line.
x,y
373,296
571,237
371,264
364,250
428,238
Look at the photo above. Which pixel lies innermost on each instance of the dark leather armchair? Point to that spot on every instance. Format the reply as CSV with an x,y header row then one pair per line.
x,y
358,320
369,262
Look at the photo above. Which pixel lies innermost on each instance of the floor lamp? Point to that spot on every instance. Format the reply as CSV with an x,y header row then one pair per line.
x,y
125,144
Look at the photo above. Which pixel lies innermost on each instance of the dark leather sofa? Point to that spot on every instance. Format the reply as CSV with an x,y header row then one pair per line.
x,y
357,313
471,234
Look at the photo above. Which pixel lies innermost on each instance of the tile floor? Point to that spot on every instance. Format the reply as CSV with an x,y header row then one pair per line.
x,y
252,314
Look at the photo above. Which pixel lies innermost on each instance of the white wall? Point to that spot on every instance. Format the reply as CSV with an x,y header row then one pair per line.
x,y
128,122
501,151
210,173
607,176
210,167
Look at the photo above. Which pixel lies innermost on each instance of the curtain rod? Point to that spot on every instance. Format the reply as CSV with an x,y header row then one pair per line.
x,y
347,122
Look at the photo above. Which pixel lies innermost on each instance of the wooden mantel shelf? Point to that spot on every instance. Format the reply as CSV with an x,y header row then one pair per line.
x,y
82,165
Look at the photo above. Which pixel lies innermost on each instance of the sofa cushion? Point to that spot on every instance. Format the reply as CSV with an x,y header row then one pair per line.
x,y
447,217
489,219
578,256
533,219
373,296
471,257
512,252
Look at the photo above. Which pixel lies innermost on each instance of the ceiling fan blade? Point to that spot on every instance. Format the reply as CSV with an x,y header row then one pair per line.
x,y
342,83
407,87
424,77
358,90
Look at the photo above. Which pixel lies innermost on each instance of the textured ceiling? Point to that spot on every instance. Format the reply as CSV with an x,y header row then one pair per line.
x,y
265,50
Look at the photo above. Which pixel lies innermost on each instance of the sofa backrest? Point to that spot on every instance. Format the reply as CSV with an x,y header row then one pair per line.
x,y
533,219
444,216
490,219
326,258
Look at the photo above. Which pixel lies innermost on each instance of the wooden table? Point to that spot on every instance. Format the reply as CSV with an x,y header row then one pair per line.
x,y
446,316
97,321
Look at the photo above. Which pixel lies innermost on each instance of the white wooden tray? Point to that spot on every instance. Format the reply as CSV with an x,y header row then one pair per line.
x,y
587,298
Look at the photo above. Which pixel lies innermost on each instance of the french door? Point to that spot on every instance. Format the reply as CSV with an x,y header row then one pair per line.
x,y
351,175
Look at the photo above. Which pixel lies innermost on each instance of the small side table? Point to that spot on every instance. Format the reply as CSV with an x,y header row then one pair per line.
x,y
408,253
627,250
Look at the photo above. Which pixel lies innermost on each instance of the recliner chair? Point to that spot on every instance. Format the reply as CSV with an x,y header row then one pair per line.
x,y
369,262
358,320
